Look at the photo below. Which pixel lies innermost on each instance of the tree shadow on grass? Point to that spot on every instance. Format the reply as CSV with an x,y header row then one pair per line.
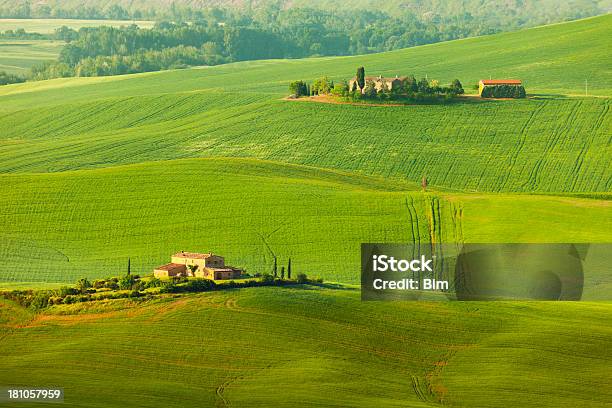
x,y
545,96
315,286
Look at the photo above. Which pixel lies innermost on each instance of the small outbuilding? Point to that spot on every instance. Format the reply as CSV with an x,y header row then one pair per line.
x,y
501,88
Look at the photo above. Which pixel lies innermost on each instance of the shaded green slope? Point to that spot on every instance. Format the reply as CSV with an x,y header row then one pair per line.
x,y
87,223
310,346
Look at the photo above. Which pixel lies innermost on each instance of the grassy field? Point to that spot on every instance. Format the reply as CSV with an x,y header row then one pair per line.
x,y
546,145
94,171
549,144
543,144
310,347
17,56
48,25
87,223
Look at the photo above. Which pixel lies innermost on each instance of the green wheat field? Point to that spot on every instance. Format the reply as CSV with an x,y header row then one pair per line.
x,y
94,171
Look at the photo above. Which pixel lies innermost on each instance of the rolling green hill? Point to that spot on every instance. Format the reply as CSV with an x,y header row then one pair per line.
x,y
71,219
312,347
96,171
549,59
87,223
547,143
535,145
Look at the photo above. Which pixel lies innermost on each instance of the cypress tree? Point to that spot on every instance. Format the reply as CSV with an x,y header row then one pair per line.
x,y
282,272
361,77
129,266
275,268
289,269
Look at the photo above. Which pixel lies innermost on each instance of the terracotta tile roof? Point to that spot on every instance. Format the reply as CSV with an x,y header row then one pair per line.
x,y
501,81
192,255
170,267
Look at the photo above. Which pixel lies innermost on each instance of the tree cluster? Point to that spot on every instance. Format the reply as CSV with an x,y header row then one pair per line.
x,y
366,28
211,36
408,89
6,78
134,287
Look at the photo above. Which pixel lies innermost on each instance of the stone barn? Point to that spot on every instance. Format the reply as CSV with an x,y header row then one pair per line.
x,y
379,82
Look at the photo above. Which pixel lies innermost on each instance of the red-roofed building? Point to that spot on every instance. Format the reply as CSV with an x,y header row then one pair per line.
x,y
483,83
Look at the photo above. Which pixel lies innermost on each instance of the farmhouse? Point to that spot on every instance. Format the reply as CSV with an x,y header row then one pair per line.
x,y
379,83
207,266
496,83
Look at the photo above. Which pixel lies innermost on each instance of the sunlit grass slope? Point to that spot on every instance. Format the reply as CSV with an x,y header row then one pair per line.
x,y
312,347
549,145
87,223
546,144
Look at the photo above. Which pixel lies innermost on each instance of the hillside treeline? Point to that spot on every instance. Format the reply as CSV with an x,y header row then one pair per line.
x,y
215,36
96,51
502,14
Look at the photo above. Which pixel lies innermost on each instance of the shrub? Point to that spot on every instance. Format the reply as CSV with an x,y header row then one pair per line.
x,y
169,288
55,300
267,278
134,293
370,90
138,285
65,291
40,300
112,283
99,283
322,86
70,299
82,285
302,278
126,282
423,86
154,283
199,285
298,88
178,279
6,78
457,87
340,89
